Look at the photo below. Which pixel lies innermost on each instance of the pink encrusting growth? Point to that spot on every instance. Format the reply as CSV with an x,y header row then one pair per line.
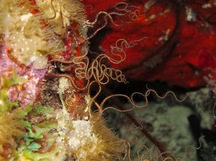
x,y
45,83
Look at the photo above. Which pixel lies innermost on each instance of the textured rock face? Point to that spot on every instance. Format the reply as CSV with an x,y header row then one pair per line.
x,y
45,104
47,108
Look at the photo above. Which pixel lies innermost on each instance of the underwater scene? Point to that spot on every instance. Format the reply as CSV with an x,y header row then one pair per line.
x,y
116,80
